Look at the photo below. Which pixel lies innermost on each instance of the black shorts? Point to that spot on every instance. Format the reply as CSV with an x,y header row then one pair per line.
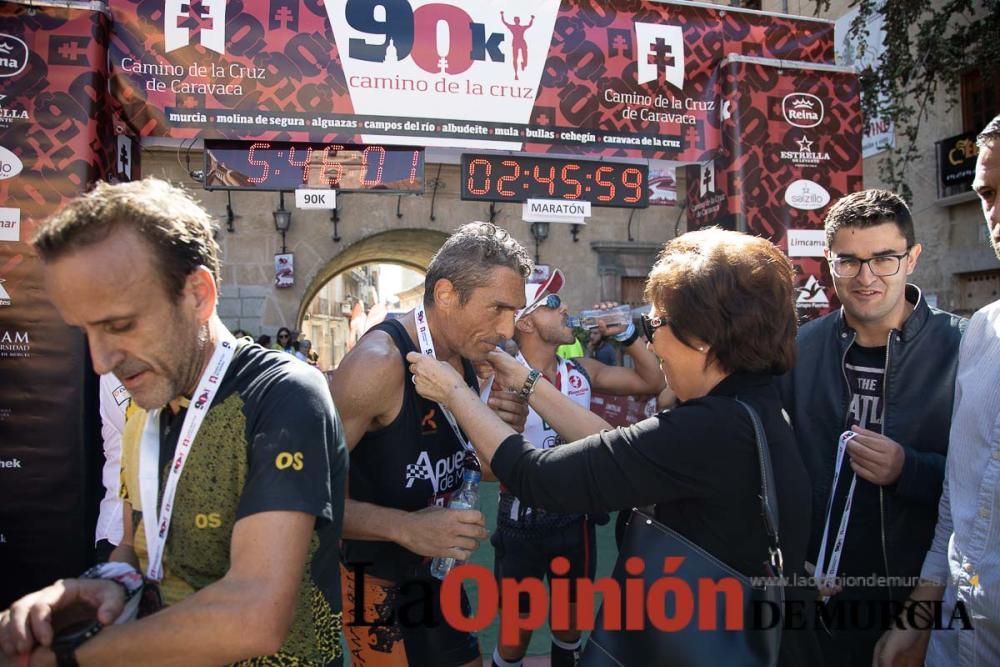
x,y
519,556
403,624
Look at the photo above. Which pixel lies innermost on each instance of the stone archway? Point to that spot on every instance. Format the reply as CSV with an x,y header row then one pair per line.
x,y
412,248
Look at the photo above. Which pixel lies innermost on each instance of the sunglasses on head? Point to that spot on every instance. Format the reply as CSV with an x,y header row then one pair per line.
x,y
651,324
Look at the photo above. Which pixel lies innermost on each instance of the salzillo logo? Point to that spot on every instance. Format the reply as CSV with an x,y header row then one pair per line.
x,y
806,195
10,164
661,50
206,18
13,55
802,109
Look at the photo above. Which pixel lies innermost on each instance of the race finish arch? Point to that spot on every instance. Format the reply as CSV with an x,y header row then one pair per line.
x,y
750,100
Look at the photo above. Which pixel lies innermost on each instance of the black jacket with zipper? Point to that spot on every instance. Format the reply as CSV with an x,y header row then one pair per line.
x,y
918,389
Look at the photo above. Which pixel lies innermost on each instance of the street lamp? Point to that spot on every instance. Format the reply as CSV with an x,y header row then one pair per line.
x,y
282,219
539,232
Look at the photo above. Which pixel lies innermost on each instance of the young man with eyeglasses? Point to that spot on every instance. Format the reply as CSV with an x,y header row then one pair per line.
x,y
883,368
527,539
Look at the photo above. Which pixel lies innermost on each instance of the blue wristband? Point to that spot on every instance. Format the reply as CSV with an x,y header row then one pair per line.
x,y
627,334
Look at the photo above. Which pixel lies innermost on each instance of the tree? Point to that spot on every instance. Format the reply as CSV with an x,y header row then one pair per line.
x,y
928,45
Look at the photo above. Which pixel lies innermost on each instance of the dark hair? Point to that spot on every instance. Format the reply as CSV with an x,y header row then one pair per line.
x,y
468,255
869,208
732,291
285,330
990,133
264,340
176,227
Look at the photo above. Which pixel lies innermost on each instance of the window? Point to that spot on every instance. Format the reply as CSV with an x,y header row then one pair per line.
x,y
977,290
632,289
980,98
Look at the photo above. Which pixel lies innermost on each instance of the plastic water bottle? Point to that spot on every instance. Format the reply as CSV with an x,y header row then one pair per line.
x,y
466,498
619,315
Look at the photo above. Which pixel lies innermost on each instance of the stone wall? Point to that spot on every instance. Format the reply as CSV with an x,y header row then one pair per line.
x,y
404,230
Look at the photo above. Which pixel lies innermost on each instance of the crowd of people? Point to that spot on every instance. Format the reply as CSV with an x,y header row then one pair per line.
x,y
260,516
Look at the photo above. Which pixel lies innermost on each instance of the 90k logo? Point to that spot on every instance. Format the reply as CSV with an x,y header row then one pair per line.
x,y
405,32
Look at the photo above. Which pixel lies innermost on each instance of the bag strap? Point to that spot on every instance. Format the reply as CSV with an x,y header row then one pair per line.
x,y
768,495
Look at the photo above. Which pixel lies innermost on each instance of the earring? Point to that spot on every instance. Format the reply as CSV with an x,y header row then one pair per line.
x,y
701,348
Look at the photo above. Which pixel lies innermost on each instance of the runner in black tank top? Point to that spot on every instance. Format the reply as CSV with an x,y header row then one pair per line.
x,y
414,462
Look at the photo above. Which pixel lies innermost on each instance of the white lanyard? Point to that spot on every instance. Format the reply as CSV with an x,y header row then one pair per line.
x,y
157,525
838,546
427,347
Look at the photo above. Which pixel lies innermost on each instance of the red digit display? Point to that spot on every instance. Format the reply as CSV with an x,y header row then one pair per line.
x,y
286,165
365,164
332,162
526,177
548,181
487,168
305,164
258,163
606,183
565,178
632,178
504,180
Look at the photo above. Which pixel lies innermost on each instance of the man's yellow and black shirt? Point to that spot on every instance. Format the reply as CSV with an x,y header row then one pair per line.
x,y
271,441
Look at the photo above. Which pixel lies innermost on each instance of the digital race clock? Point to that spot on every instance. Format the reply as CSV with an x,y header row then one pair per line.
x,y
516,178
277,165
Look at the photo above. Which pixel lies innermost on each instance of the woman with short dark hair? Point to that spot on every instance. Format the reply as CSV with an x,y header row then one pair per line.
x,y
723,324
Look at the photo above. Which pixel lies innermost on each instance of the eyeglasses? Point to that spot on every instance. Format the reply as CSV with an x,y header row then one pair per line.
x,y
881,266
651,324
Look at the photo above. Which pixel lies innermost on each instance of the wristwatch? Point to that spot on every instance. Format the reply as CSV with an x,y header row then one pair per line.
x,y
65,643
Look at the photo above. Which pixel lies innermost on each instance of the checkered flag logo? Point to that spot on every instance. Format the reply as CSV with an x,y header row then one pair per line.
x,y
421,470
415,471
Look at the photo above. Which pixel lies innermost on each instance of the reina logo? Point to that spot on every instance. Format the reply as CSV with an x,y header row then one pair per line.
x,y
13,55
802,110
806,195
204,22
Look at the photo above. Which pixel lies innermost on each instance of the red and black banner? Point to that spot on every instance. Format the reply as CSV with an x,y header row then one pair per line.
x,y
791,147
55,139
630,78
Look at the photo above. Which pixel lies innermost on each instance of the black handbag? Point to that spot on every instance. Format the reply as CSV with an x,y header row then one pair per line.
x,y
691,645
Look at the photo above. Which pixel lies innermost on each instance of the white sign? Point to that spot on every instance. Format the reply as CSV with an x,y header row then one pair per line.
x,y
284,270
10,224
806,195
555,210
484,60
661,51
10,164
307,198
806,242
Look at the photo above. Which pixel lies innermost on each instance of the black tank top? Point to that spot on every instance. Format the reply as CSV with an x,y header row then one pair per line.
x,y
414,462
